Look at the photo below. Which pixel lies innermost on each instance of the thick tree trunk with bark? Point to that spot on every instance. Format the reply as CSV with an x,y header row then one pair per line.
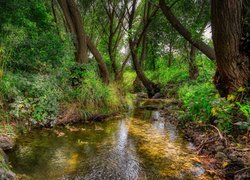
x,y
152,88
81,41
75,24
134,43
232,63
204,48
102,66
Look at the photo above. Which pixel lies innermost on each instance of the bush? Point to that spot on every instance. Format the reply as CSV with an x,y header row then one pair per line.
x,y
94,96
31,97
204,104
197,99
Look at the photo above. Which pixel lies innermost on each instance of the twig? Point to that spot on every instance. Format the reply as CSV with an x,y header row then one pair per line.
x,y
221,137
242,170
201,146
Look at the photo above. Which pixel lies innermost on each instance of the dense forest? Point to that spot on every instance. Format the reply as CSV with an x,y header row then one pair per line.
x,y
67,62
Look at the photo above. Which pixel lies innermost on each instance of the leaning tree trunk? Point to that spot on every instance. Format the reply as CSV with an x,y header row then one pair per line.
x,y
232,63
151,87
75,24
176,24
102,66
82,42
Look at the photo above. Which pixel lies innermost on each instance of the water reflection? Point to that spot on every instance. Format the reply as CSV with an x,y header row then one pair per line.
x,y
139,146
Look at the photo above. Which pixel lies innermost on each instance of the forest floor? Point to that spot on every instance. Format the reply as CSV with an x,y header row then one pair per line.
x,y
223,155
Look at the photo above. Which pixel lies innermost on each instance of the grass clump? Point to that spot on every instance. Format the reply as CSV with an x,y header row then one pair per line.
x,y
95,97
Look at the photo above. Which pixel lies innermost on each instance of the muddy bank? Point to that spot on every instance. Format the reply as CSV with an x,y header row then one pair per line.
x,y
71,114
222,156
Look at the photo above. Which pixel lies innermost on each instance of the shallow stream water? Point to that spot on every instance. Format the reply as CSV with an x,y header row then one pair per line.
x,y
138,145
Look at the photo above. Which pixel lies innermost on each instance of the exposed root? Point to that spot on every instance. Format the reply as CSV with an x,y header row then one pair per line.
x,y
220,134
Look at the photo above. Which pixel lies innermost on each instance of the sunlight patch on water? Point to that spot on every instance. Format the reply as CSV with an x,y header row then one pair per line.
x,y
163,151
140,146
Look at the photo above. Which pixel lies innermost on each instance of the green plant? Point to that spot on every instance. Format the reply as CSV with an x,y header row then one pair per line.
x,y
223,111
197,99
245,110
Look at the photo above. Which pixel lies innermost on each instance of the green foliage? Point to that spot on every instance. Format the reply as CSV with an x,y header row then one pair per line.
x,y
93,96
245,110
204,104
128,80
223,111
31,97
176,73
29,41
197,99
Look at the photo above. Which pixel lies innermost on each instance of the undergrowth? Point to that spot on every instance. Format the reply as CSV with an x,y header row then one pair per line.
x,y
199,97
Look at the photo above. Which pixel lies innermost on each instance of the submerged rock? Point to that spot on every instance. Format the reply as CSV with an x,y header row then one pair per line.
x,y
6,143
150,107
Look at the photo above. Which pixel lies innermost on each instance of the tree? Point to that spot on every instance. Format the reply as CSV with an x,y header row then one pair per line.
x,y
134,42
232,56
115,11
204,48
74,23
82,42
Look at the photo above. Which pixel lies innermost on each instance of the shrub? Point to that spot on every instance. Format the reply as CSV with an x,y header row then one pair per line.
x,y
34,97
94,96
197,99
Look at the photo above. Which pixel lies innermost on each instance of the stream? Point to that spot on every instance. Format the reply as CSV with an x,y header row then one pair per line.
x,y
138,145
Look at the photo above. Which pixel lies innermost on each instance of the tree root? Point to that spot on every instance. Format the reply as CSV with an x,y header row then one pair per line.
x,y
220,134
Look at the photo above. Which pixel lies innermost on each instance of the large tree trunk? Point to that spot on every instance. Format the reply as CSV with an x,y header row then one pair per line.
x,y
75,24
102,66
81,41
152,88
134,43
204,48
232,63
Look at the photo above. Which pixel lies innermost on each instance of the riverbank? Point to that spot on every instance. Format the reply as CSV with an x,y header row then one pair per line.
x,y
69,113
223,156
6,143
138,145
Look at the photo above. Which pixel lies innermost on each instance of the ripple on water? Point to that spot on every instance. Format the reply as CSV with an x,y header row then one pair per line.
x,y
139,146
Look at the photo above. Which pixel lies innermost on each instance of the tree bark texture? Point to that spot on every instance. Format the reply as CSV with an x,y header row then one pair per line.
x,y
134,43
74,22
232,63
102,66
